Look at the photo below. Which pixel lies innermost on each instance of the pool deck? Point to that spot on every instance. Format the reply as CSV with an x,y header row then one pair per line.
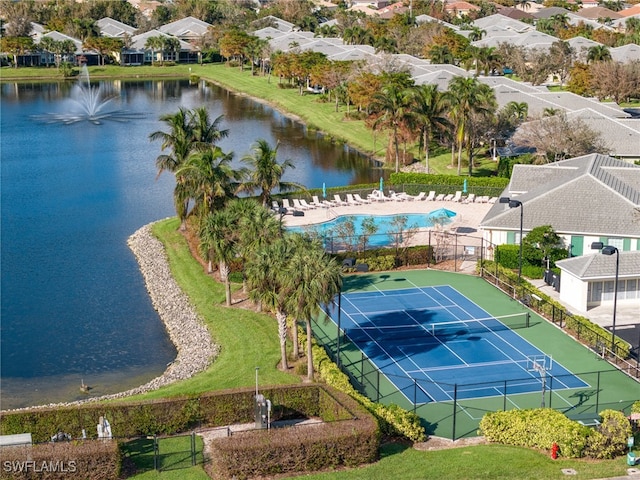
x,y
468,218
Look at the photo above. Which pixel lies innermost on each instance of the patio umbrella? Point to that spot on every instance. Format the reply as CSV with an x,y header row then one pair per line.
x,y
324,190
381,184
464,186
442,213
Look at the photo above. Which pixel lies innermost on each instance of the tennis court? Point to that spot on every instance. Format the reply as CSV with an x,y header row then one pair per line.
x,y
429,340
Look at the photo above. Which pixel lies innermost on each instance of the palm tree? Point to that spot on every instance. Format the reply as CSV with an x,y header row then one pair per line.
x,y
466,97
154,44
314,279
476,34
441,54
189,130
265,173
179,139
391,106
428,109
519,110
205,132
209,179
266,272
217,236
598,53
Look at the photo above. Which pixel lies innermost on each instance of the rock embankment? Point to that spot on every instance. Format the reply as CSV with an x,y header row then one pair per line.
x,y
185,327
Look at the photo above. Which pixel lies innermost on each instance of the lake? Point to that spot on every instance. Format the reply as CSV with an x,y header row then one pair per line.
x,y
74,307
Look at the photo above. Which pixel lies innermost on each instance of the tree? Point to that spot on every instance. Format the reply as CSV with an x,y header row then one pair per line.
x,y
390,106
16,46
540,242
429,110
265,173
267,281
598,53
557,137
440,54
314,279
103,45
209,179
171,46
154,44
218,241
467,96
561,57
189,131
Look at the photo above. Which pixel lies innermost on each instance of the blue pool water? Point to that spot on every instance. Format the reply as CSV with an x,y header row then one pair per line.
x,y
386,233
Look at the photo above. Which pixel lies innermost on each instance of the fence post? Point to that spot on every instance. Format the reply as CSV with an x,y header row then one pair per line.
x,y
550,389
377,385
156,452
193,449
598,392
455,401
415,394
504,403
455,253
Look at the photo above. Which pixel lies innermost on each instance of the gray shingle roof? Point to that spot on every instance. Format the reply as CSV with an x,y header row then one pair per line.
x,y
188,26
589,195
621,138
626,53
598,266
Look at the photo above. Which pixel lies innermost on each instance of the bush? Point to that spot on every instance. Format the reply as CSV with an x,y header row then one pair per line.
x,y
87,460
536,428
610,439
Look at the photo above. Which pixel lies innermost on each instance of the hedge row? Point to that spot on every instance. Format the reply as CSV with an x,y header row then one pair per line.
x,y
307,449
69,460
542,427
162,417
402,178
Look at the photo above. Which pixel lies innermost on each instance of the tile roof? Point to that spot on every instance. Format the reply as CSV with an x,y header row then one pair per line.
x,y
590,195
598,266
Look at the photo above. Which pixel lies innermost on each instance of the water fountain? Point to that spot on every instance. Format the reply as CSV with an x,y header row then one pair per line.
x,y
91,104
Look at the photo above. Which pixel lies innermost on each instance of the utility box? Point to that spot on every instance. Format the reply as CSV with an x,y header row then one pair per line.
x,y
262,412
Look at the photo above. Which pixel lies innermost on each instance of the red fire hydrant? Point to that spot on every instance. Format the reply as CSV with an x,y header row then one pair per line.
x,y
554,450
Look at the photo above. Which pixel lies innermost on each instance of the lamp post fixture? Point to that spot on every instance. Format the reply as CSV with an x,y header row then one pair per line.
x,y
610,250
515,204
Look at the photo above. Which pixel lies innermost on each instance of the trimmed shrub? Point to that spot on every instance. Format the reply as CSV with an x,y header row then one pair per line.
x,y
346,442
87,460
536,428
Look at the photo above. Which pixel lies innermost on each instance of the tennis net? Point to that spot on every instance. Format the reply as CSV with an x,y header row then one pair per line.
x,y
439,329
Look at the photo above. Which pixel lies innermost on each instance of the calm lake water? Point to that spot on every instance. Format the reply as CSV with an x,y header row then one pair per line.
x,y
74,307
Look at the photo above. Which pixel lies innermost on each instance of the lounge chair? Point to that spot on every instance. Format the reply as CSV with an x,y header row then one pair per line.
x,y
275,206
457,197
297,205
286,204
483,199
470,199
439,197
397,196
338,201
351,200
360,199
448,197
421,196
316,201
377,196
308,206
431,197
493,200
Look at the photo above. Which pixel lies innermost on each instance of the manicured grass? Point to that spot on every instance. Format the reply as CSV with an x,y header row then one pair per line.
x,y
248,340
174,453
482,461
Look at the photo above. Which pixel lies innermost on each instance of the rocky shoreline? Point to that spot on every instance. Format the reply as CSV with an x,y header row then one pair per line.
x,y
185,327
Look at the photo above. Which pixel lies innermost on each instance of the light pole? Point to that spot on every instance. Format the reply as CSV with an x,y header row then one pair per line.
x,y
610,250
515,204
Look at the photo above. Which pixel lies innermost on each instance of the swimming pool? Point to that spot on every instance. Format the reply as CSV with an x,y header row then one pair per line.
x,y
388,229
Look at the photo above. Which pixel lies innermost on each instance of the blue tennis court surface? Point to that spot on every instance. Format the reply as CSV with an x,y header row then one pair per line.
x,y
426,340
